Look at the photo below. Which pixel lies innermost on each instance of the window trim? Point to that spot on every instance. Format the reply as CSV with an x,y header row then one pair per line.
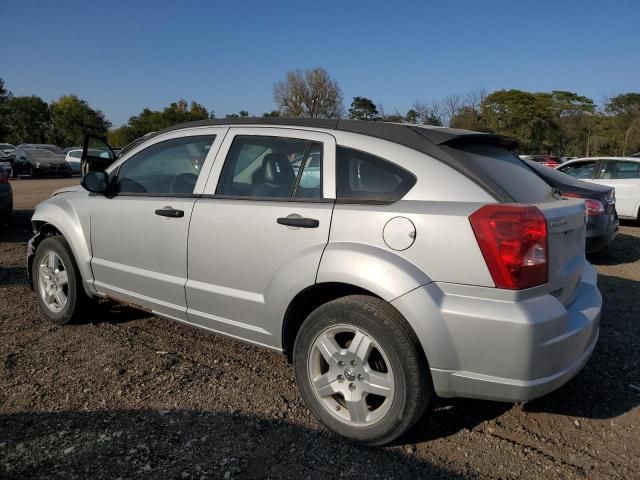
x,y
292,198
364,201
112,193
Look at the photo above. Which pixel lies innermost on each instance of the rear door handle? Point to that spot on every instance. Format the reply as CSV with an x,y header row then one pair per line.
x,y
170,212
300,222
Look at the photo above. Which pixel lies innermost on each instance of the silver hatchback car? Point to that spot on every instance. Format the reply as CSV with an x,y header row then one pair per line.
x,y
390,262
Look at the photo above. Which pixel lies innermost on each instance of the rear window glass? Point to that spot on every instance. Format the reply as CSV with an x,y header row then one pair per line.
x,y
361,176
506,170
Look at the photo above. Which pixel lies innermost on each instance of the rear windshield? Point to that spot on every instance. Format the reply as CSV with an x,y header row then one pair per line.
x,y
506,170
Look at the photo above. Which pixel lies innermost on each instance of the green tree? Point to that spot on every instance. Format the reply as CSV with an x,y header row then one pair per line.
x,y
5,96
524,115
310,93
412,116
153,120
466,117
363,108
272,113
27,120
625,108
72,119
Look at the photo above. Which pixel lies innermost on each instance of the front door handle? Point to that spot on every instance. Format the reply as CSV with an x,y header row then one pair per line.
x,y
170,212
300,222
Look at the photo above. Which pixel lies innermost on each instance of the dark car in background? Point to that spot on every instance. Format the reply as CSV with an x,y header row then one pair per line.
x,y
7,147
39,162
7,158
6,195
42,146
600,200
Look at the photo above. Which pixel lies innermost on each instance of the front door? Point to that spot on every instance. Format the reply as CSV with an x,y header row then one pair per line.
x,y
257,236
139,232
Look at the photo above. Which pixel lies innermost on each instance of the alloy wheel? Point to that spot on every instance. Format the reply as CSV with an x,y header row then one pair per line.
x,y
53,281
351,375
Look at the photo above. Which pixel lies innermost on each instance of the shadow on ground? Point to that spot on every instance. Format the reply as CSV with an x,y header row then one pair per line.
x,y
19,228
624,249
189,444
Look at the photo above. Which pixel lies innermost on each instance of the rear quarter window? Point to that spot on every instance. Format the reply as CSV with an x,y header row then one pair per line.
x,y
361,176
506,170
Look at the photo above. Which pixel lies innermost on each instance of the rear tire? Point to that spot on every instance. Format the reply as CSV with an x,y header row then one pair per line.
x,y
361,370
57,282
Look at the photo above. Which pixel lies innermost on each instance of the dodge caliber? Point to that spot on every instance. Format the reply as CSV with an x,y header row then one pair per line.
x,y
391,263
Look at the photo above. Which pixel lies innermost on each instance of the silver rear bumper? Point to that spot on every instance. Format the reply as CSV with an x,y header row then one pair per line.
x,y
507,346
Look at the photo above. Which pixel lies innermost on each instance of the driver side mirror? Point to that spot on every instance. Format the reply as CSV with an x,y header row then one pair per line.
x,y
96,182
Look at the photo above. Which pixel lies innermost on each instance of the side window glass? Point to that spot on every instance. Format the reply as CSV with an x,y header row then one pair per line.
x,y
361,176
624,170
272,167
581,171
171,167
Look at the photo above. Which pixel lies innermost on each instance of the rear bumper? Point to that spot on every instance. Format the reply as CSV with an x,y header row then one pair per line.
x,y
482,344
6,199
601,231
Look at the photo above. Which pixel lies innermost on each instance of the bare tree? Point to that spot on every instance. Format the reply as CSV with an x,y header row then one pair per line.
x,y
474,98
451,105
428,113
310,93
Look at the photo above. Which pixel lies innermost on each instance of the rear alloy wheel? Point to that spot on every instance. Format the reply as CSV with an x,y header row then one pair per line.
x,y
361,370
57,282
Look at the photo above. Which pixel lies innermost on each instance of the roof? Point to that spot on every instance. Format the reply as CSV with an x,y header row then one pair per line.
x,y
403,133
430,140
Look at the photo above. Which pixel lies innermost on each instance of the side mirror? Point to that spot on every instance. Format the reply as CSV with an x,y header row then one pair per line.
x,y
96,182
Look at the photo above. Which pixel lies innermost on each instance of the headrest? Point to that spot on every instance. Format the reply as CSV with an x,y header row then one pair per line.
x,y
276,170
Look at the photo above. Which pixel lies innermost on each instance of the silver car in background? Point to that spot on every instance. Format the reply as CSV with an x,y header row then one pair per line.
x,y
390,262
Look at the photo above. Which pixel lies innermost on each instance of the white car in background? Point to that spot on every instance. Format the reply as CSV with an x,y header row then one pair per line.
x,y
73,159
622,173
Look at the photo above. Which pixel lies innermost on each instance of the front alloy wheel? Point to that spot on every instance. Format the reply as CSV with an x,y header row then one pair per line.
x,y
53,282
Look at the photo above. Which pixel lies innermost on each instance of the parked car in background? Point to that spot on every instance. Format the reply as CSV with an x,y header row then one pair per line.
x,y
422,261
7,148
6,195
8,158
73,158
548,160
68,149
600,200
622,173
39,162
43,146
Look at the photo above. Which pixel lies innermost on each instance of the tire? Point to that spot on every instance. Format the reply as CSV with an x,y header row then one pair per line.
x,y
31,171
394,367
60,310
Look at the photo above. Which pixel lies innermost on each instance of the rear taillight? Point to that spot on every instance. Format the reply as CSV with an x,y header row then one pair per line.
x,y
4,177
594,207
513,241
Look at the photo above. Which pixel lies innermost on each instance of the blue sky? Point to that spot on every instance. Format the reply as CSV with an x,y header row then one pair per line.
x,y
122,56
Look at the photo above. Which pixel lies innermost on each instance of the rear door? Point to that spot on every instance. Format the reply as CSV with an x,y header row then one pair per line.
x,y
257,235
624,176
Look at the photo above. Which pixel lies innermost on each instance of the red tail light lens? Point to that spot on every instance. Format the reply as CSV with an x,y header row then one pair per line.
x,y
4,176
513,240
594,207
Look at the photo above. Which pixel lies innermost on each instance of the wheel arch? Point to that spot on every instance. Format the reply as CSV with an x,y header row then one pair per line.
x,y
51,219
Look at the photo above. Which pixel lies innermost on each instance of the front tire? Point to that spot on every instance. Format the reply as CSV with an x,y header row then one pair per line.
x,y
57,282
361,370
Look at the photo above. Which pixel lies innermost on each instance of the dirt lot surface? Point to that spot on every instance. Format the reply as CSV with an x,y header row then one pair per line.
x,y
132,396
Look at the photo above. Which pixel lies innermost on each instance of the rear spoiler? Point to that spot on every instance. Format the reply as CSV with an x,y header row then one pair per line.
x,y
458,136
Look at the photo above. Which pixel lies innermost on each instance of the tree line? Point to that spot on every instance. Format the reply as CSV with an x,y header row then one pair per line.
x,y
556,122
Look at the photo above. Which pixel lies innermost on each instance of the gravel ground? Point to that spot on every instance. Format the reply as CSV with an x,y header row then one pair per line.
x,y
132,396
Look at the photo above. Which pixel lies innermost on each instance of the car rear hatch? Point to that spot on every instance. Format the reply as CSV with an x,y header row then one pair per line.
x,y
566,221
566,218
